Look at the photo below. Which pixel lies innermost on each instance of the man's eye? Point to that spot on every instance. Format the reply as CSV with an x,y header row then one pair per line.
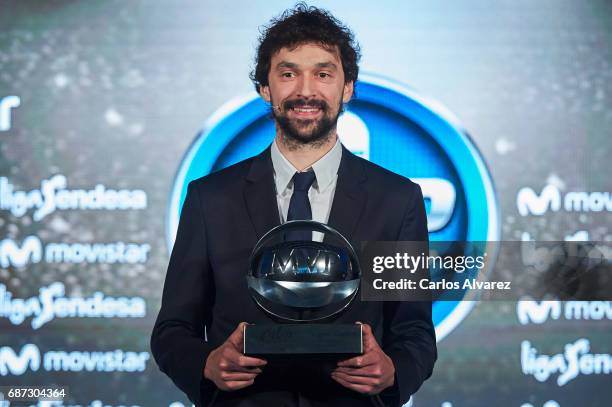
x,y
287,74
324,75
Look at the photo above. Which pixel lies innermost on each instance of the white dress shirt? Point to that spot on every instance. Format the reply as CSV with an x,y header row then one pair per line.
x,y
320,194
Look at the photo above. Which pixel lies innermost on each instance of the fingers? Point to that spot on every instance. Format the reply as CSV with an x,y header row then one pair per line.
x,y
234,360
234,353
239,369
364,360
361,388
237,376
248,361
242,361
370,371
356,379
228,368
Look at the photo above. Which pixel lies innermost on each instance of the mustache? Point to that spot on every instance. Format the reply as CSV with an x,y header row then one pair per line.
x,y
319,104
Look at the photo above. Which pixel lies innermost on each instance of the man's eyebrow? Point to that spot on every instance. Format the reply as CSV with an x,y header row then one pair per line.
x,y
326,65
292,65
285,64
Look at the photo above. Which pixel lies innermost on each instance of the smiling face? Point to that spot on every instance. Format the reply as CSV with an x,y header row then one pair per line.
x,y
306,89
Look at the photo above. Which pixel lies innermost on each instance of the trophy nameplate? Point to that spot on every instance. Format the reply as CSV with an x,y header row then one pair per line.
x,y
312,340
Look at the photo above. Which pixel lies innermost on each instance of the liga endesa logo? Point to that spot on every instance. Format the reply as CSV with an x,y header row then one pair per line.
x,y
385,123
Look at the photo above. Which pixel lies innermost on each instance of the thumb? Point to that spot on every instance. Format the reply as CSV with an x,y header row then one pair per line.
x,y
369,341
237,337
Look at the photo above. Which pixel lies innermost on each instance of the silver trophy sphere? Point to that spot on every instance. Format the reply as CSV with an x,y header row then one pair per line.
x,y
303,280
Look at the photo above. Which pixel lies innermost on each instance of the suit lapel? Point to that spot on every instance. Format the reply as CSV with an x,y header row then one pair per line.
x,y
350,197
260,194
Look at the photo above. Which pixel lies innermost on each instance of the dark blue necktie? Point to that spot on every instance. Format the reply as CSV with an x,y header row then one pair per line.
x,y
299,205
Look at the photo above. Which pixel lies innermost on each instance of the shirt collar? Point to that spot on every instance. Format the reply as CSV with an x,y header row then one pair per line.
x,y
325,168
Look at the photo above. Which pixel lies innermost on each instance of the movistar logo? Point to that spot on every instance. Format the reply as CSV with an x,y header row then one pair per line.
x,y
30,357
32,250
537,312
550,198
17,363
12,254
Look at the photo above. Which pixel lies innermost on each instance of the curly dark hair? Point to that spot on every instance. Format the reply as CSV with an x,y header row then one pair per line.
x,y
304,24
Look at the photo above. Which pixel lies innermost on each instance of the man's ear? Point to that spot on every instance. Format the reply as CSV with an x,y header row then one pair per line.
x,y
348,92
264,92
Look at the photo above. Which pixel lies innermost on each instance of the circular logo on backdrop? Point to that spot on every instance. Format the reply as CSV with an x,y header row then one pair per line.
x,y
390,125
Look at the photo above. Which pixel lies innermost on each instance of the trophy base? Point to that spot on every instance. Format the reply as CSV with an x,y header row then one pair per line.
x,y
303,340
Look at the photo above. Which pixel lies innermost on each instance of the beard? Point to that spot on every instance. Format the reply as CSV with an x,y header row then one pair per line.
x,y
300,132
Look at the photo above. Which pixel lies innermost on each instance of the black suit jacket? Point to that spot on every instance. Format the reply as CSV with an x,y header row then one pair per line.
x,y
223,216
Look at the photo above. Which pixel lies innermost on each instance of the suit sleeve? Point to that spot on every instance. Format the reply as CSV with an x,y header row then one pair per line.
x,y
409,337
177,341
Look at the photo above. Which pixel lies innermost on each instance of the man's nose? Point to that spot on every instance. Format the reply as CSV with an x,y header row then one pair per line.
x,y
306,87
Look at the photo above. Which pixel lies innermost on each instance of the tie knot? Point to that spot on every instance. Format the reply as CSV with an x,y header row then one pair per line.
x,y
303,180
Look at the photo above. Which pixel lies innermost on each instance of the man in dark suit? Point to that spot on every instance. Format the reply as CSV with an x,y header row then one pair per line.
x,y
306,69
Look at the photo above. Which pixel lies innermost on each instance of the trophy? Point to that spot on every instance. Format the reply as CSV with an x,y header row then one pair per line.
x,y
303,285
